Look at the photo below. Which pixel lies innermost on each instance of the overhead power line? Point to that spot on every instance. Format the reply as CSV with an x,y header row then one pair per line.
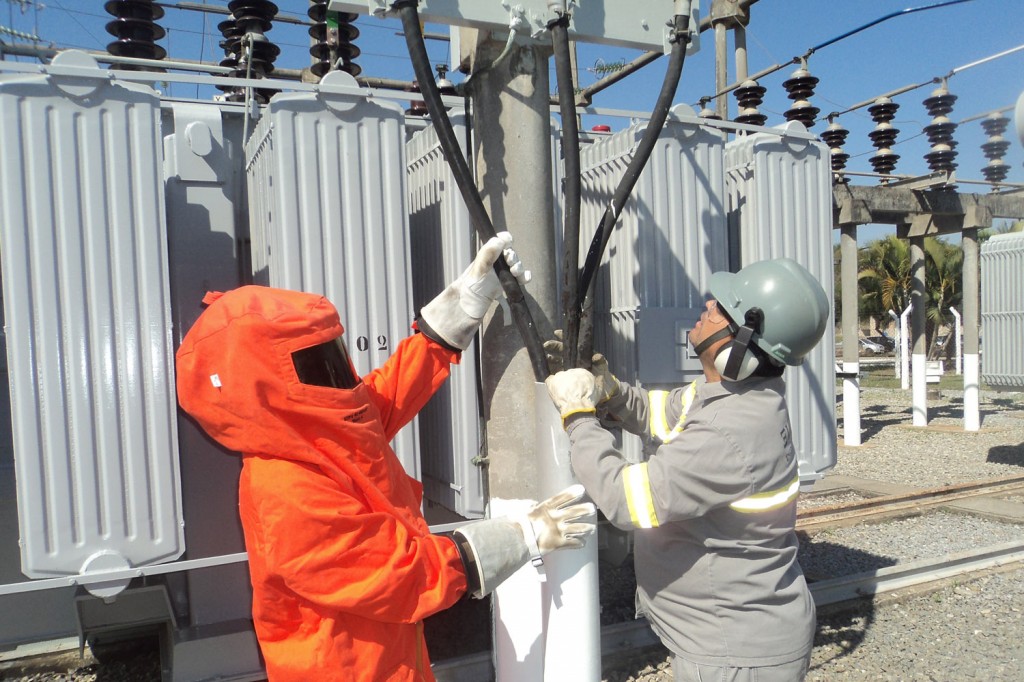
x,y
936,79
831,41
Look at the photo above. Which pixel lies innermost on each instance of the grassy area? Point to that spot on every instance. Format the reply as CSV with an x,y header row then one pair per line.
x,y
885,377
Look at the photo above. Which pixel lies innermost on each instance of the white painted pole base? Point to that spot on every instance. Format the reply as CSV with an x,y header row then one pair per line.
x,y
919,400
851,404
547,625
972,402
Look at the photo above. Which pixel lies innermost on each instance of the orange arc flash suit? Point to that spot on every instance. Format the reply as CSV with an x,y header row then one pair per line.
x,y
343,566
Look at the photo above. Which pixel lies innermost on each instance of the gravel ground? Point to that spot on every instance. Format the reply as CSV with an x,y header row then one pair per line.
x,y
964,630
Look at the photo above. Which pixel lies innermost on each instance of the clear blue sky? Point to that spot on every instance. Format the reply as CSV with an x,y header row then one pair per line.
x,y
905,50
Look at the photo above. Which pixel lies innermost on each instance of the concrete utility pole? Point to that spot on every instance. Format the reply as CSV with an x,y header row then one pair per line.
x,y
547,626
851,333
512,136
918,354
971,325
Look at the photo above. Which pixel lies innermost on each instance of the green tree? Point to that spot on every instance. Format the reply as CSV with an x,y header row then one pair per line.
x,y
884,277
944,267
885,283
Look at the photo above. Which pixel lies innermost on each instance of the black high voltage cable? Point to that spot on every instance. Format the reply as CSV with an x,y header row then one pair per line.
x,y
573,191
409,14
680,39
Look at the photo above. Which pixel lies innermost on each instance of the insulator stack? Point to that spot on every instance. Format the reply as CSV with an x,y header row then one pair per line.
x,y
332,34
883,137
749,96
835,136
995,147
247,51
136,31
940,131
800,87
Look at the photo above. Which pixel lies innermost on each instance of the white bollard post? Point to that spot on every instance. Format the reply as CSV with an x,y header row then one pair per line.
x,y
958,340
905,350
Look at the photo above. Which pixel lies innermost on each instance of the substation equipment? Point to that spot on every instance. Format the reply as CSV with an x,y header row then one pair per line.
x,y
121,207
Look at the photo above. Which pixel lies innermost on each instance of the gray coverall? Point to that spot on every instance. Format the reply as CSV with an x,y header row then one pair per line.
x,y
714,510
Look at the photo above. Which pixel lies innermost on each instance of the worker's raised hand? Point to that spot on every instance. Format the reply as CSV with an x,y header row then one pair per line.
x,y
573,391
561,521
607,384
480,284
454,316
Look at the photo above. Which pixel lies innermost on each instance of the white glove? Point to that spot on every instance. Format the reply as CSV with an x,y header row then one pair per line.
x,y
607,383
494,549
454,316
573,391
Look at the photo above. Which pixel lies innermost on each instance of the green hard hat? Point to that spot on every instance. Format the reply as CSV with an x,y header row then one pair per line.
x,y
795,308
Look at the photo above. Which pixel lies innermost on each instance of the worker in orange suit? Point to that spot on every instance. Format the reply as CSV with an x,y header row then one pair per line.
x,y
343,566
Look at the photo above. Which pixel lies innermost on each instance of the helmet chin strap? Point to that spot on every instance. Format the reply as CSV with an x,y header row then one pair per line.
x,y
720,334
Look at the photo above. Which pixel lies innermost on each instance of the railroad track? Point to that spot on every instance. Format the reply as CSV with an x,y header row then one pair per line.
x,y
875,508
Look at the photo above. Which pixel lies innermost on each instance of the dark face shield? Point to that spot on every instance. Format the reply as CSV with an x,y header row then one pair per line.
x,y
326,365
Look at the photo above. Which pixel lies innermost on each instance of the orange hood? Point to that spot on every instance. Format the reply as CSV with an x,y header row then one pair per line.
x,y
235,376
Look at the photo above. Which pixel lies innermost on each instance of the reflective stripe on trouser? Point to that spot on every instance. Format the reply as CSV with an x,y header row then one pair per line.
x,y
658,403
639,499
771,499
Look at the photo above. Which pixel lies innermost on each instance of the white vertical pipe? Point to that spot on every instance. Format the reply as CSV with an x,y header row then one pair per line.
x,y
851,404
919,394
905,350
547,622
972,379
957,340
899,343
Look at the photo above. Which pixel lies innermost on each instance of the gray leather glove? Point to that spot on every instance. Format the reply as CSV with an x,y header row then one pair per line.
x,y
494,549
555,522
573,391
607,383
454,316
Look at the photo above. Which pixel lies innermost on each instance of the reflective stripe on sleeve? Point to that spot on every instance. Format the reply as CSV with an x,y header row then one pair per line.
x,y
659,427
772,499
638,496
658,401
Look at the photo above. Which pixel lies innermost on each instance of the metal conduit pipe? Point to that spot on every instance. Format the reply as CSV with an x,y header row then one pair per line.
x,y
680,39
407,10
571,153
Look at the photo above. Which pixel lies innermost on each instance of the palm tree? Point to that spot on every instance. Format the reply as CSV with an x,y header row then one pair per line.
x,y
943,277
885,282
884,275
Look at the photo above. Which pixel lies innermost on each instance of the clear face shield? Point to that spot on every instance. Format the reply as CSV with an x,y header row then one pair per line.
x,y
327,364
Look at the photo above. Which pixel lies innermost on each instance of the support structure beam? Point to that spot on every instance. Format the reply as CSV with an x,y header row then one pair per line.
x,y
918,214
923,212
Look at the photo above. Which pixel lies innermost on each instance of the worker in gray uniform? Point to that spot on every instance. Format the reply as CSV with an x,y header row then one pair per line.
x,y
714,507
